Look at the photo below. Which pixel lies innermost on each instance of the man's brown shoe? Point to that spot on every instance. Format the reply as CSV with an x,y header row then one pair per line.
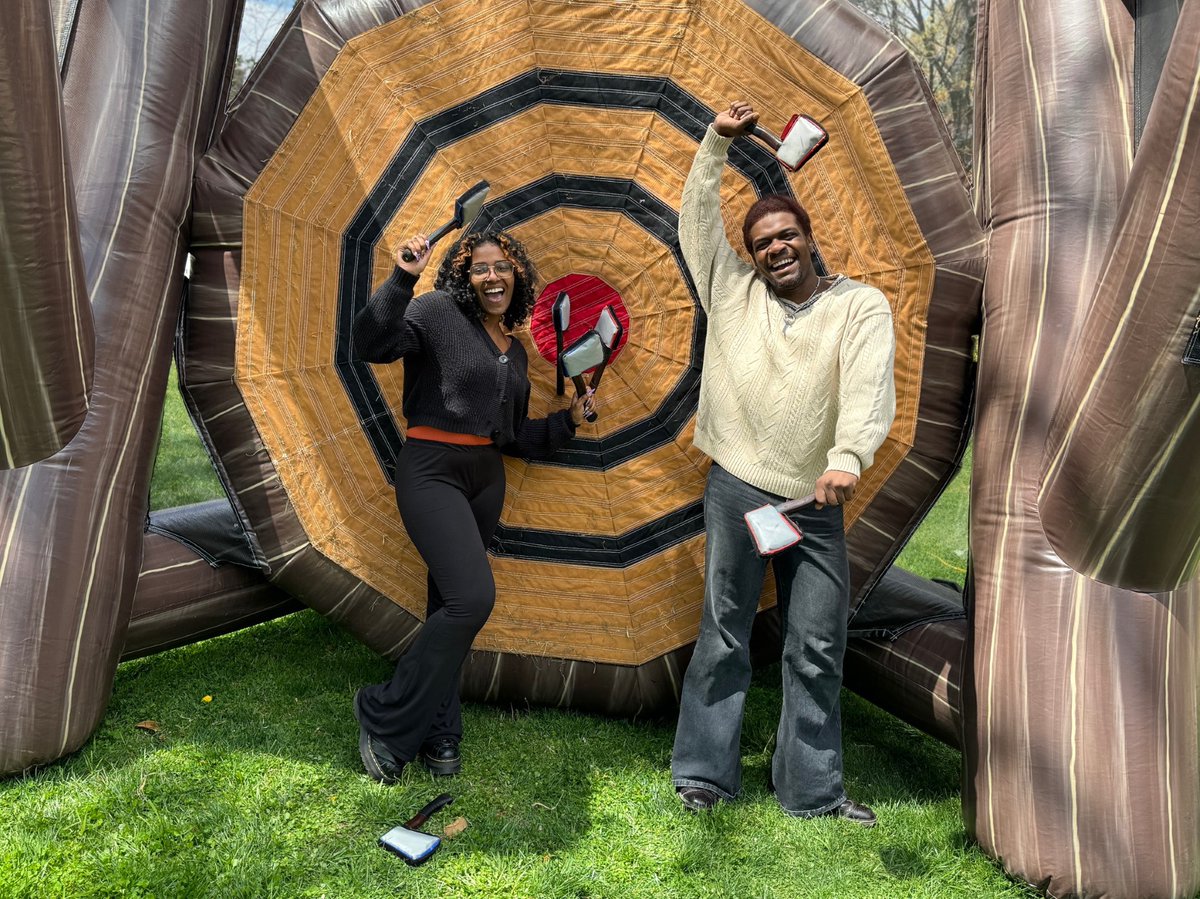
x,y
853,811
697,799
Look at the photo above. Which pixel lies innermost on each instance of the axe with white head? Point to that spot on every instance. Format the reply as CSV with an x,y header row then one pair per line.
x,y
412,845
585,353
560,313
608,326
771,529
801,140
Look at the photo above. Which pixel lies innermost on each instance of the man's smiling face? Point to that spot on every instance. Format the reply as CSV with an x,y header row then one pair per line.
x,y
781,253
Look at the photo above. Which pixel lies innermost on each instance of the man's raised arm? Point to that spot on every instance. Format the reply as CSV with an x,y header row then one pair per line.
x,y
701,230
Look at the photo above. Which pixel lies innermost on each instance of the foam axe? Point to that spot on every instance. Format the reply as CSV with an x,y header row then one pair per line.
x,y
608,326
586,352
801,140
560,313
412,845
770,527
466,208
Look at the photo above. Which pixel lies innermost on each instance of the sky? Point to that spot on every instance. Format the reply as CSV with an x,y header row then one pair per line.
x,y
260,20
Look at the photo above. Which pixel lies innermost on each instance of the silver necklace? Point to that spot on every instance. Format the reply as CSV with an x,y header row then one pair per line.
x,y
792,310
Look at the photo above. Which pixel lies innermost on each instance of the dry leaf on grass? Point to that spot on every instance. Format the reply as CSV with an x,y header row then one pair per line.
x,y
151,726
454,828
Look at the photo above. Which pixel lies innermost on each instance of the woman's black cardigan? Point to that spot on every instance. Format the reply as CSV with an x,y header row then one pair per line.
x,y
455,377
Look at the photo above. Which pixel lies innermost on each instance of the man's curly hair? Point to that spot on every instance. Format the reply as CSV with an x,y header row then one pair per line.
x,y
768,204
454,279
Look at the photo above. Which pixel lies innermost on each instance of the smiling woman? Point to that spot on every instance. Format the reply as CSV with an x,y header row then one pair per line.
x,y
466,400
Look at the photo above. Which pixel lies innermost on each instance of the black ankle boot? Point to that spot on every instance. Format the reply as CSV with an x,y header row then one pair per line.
x,y
442,757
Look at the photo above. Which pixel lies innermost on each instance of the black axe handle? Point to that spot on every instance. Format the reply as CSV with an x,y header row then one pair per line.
x,y
558,369
423,815
407,255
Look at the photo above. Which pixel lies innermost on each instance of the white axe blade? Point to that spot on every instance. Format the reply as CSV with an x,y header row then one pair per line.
x,y
587,352
771,530
411,845
561,312
608,327
801,140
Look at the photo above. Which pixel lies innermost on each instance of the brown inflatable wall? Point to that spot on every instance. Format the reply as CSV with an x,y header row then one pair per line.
x,y
1120,495
1080,702
72,525
46,338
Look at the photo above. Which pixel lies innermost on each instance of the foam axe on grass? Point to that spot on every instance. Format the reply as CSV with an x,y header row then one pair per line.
x,y
771,529
466,208
608,326
560,313
586,352
801,140
412,845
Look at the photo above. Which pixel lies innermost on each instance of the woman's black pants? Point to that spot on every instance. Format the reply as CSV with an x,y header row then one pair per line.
x,y
450,499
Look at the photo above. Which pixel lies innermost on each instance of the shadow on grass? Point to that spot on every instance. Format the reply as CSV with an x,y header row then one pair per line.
x,y
283,692
885,760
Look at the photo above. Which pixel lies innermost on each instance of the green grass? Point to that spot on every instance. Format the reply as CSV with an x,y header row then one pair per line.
x,y
939,547
183,473
260,792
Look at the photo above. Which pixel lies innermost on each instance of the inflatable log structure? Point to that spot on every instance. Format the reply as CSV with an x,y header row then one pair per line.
x,y
1072,694
46,338
1081,723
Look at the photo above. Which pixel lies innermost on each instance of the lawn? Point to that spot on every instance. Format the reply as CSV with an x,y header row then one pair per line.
x,y
230,769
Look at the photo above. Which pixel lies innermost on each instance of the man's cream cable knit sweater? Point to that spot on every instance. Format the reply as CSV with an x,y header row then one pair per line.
x,y
781,403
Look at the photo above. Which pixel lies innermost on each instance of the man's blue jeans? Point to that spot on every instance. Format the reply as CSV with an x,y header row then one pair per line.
x,y
812,582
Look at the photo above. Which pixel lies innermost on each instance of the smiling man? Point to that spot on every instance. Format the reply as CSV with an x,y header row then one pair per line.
x,y
796,396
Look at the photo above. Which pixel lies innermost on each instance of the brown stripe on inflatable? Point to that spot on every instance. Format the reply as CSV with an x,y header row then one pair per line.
x,y
1080,736
47,342
181,599
72,524
647,689
917,677
1119,498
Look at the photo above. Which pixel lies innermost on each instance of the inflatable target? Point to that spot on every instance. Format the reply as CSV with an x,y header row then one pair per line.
x,y
583,117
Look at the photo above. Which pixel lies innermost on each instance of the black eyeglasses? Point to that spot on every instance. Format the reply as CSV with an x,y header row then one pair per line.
x,y
480,269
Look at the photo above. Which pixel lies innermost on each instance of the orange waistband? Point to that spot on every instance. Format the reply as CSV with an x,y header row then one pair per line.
x,y
425,432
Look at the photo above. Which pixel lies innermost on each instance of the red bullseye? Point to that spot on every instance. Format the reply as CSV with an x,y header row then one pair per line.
x,y
589,295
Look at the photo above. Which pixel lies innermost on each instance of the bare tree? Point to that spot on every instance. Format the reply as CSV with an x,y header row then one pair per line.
x,y
261,19
941,35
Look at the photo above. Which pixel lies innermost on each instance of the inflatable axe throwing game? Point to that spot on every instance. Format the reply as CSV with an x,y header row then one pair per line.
x,y
1069,679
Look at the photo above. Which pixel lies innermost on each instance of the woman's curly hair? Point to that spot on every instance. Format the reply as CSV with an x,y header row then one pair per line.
x,y
454,278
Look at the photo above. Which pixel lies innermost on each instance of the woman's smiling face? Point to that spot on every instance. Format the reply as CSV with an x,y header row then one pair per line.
x,y
493,288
